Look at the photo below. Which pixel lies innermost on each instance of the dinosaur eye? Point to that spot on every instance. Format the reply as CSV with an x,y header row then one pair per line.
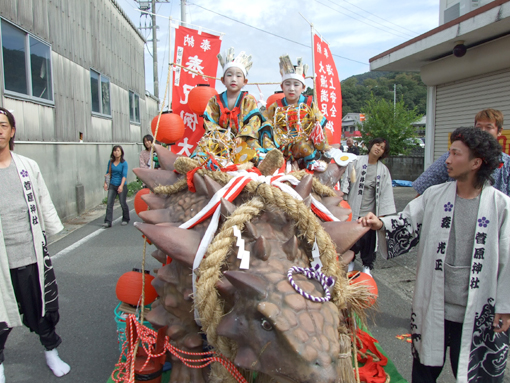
x,y
266,325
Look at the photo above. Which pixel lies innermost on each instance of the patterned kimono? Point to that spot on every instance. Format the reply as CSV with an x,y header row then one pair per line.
x,y
426,223
244,119
43,219
270,136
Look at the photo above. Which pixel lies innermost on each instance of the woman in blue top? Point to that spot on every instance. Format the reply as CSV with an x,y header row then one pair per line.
x,y
118,172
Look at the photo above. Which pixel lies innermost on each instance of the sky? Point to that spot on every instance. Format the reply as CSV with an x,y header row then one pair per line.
x,y
355,30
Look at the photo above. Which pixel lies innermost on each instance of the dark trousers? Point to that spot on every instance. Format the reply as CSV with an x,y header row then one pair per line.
x,y
452,339
112,194
25,281
366,248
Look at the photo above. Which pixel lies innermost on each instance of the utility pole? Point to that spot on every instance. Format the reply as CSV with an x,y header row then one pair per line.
x,y
394,96
184,13
150,6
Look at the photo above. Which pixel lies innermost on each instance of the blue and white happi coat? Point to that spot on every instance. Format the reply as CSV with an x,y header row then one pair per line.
x,y
426,223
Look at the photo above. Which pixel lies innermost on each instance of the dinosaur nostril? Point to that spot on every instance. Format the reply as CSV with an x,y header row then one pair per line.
x,y
317,363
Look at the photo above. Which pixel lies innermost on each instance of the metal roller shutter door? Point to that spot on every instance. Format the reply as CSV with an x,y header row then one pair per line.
x,y
458,102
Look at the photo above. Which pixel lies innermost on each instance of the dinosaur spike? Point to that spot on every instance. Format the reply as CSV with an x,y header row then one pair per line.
x,y
332,174
211,185
168,274
227,291
308,201
340,212
250,284
200,185
180,244
156,216
332,201
227,207
165,157
155,201
347,257
291,248
158,316
304,188
344,234
250,230
153,178
261,248
159,255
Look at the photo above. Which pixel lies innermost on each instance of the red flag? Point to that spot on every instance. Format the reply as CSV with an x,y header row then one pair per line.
x,y
196,51
327,85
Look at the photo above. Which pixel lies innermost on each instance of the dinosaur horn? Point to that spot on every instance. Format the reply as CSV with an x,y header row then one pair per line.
x,y
155,201
153,178
291,248
156,216
227,207
250,230
332,174
251,284
304,188
211,185
159,255
228,326
341,213
180,244
344,234
331,201
200,185
261,248
165,157
159,316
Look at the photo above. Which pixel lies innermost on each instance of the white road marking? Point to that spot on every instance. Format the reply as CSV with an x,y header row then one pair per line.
x,y
75,245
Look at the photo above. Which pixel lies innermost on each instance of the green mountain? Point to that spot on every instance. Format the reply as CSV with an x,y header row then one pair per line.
x,y
356,90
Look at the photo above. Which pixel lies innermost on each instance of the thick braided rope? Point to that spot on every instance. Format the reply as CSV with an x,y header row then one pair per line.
x,y
318,187
207,301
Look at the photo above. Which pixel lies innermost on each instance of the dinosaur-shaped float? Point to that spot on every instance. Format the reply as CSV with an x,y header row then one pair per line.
x,y
253,316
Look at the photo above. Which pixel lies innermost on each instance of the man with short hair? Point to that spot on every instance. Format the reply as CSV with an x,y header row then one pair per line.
x,y
351,148
463,270
28,288
489,120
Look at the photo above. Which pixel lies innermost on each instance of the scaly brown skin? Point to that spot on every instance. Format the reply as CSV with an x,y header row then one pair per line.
x,y
278,332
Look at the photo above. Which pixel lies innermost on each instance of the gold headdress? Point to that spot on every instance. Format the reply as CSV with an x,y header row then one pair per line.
x,y
288,70
242,61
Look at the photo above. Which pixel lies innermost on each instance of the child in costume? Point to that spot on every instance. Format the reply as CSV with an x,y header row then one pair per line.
x,y
232,119
294,124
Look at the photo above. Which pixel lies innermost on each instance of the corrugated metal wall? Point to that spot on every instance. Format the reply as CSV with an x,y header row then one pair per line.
x,y
83,34
458,102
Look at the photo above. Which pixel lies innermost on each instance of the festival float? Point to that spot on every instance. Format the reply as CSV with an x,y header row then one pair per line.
x,y
252,285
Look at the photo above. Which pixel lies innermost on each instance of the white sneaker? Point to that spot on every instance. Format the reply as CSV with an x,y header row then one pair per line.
x,y
366,270
350,267
57,365
2,374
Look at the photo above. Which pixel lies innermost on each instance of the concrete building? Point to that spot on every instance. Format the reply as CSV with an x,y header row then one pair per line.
x,y
462,83
73,74
349,124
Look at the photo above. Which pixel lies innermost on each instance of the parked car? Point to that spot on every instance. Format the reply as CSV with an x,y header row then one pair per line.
x,y
415,142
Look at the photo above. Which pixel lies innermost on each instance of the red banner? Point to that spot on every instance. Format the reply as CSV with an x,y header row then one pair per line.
x,y
327,85
196,51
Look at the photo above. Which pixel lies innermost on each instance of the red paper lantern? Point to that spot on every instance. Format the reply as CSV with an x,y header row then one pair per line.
x,y
199,96
359,277
129,288
272,99
345,205
140,204
171,128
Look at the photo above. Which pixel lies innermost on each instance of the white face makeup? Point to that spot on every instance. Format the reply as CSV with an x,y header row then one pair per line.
x,y
292,89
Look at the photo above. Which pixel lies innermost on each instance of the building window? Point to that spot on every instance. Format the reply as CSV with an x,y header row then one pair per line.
x,y
100,93
134,107
27,64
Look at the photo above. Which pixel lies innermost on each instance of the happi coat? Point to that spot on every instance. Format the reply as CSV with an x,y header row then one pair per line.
x,y
384,201
426,223
43,221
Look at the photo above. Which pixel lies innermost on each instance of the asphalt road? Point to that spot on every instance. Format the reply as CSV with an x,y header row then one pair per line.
x,y
88,261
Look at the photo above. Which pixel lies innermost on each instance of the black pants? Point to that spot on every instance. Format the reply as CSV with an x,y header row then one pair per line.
x,y
452,339
112,194
25,281
366,248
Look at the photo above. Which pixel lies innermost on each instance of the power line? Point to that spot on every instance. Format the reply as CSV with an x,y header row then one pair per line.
x,y
272,34
401,34
379,17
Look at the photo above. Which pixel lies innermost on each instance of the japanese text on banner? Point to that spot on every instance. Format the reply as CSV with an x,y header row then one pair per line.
x,y
327,85
196,51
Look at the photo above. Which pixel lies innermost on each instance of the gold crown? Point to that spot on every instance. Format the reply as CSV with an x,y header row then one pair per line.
x,y
287,68
242,61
